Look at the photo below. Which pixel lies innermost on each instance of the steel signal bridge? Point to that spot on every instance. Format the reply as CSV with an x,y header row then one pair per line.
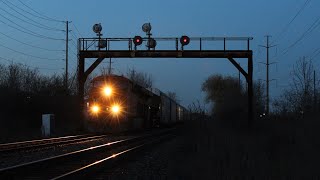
x,y
198,47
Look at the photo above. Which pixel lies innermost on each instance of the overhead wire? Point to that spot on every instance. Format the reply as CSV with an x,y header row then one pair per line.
x,y
291,21
11,61
32,14
77,30
12,23
29,44
74,43
74,36
6,59
315,54
44,16
313,26
27,54
21,14
28,31
33,24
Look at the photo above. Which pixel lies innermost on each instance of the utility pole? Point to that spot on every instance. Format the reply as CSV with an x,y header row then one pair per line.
x,y
109,70
67,47
110,62
267,74
314,91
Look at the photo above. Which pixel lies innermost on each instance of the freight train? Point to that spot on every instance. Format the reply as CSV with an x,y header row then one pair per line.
x,y
115,103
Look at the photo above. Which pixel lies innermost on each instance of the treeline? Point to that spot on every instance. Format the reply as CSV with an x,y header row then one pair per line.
x,y
228,96
18,78
26,94
301,97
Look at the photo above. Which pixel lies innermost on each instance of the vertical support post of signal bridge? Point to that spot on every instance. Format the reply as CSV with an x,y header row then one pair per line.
x,y
81,81
315,103
267,78
250,91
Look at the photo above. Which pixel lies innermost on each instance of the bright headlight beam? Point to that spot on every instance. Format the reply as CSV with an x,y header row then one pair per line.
x,y
115,109
95,109
107,91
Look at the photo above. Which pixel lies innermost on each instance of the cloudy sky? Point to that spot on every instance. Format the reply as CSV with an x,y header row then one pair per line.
x,y
32,33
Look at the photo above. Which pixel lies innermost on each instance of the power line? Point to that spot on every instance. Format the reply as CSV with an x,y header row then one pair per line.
x,y
314,25
29,44
315,54
11,61
39,26
43,16
4,1
27,54
55,29
6,59
30,33
296,15
77,29
75,45
74,35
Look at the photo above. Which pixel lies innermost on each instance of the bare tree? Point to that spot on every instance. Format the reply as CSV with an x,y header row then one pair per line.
x,y
302,83
143,79
18,78
299,96
173,96
196,108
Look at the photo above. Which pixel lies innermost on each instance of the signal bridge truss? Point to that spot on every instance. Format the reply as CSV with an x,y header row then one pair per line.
x,y
197,47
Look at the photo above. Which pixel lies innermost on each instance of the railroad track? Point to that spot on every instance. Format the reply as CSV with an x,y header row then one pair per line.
x,y
34,144
81,163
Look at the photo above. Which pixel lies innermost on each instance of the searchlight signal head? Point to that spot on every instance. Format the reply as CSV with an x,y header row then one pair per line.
x,y
137,40
184,40
97,28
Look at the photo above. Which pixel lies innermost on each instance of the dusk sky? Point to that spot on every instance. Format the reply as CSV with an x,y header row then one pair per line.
x,y
293,25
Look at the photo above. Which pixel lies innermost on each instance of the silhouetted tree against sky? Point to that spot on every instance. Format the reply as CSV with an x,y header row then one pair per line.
x,y
229,98
18,78
224,93
299,96
143,79
196,108
173,96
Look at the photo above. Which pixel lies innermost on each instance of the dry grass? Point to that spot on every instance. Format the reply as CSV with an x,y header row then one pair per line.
x,y
270,149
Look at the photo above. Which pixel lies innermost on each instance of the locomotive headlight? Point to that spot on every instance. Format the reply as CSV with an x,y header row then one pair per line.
x,y
115,109
107,91
95,109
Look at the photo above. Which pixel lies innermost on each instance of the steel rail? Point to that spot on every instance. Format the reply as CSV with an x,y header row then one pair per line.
x,y
50,167
24,145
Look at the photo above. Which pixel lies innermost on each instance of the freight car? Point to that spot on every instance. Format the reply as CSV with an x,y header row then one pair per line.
x,y
115,103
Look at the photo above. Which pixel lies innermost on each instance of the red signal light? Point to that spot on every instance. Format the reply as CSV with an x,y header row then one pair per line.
x,y
137,40
184,40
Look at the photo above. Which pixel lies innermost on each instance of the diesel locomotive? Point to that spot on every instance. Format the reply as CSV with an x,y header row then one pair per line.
x,y
115,103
